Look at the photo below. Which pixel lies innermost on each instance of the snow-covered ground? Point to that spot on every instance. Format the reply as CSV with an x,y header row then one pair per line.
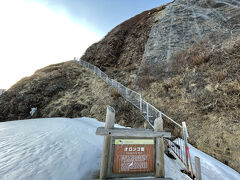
x,y
210,167
2,91
62,148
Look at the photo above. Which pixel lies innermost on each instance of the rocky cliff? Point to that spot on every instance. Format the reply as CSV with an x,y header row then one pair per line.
x,y
187,22
184,58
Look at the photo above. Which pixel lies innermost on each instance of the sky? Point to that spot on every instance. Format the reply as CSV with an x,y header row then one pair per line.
x,y
37,33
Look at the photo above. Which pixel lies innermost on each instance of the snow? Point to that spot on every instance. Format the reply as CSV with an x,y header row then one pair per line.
x,y
33,110
2,91
63,148
210,167
57,148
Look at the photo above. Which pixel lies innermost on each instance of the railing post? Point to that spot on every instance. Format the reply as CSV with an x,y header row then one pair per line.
x,y
147,113
97,72
187,153
198,168
185,143
117,86
110,118
112,82
140,101
126,92
160,114
159,166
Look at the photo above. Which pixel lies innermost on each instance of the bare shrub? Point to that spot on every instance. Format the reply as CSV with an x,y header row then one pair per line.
x,y
220,75
143,82
114,93
195,55
201,58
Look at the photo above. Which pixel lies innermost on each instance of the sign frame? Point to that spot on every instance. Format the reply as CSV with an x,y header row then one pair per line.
x,y
110,172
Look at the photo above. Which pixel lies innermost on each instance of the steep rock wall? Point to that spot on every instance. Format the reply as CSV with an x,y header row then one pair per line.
x,y
186,22
124,46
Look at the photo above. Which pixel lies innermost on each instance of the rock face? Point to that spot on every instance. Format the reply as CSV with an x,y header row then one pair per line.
x,y
186,22
184,58
124,46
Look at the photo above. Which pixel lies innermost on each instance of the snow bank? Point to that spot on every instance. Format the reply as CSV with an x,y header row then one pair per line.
x,y
57,148
211,168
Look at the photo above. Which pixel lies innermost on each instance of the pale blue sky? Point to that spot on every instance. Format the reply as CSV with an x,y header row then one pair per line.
x,y
37,33
102,15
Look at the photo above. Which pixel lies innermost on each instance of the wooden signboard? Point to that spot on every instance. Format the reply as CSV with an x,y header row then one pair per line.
x,y
133,156
129,152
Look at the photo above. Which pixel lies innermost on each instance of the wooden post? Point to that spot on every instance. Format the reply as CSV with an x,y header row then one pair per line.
x,y
110,118
95,70
147,112
140,100
185,143
159,165
198,168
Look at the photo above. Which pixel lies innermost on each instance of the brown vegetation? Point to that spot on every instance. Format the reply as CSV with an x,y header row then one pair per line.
x,y
143,82
196,55
124,45
65,90
114,93
203,89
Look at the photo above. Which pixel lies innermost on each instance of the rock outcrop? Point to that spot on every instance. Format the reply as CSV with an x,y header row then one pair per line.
x,y
186,22
123,47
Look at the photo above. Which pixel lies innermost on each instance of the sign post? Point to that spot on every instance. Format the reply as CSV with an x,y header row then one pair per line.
x,y
129,152
160,170
110,118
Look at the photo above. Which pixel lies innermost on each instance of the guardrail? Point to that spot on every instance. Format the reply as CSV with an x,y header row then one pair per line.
x,y
148,111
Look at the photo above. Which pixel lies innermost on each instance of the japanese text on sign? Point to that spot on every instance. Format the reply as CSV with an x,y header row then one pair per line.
x,y
133,156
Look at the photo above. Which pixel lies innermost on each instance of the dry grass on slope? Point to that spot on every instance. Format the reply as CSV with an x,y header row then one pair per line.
x,y
65,90
203,89
120,52
89,97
